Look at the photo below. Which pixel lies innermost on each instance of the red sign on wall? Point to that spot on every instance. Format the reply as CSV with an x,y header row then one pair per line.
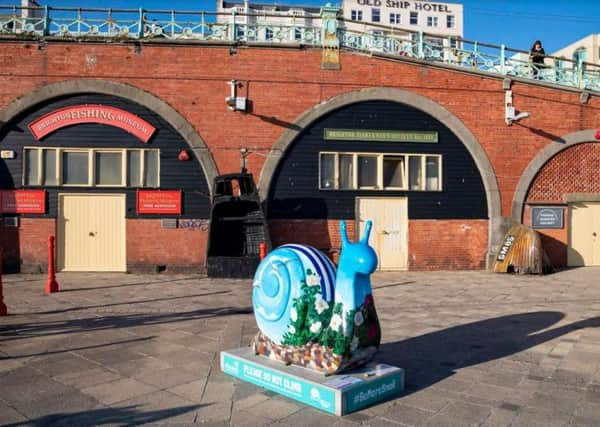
x,y
23,201
159,202
91,113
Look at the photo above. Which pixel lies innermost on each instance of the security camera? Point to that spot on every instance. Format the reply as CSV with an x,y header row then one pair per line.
x,y
510,117
520,116
230,100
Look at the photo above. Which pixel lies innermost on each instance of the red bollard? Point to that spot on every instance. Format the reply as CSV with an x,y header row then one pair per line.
x,y
3,311
51,284
262,251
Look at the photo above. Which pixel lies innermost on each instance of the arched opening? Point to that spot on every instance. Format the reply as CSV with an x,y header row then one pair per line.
x,y
120,184
293,168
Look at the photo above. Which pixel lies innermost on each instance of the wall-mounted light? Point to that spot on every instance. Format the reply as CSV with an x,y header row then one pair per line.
x,y
243,154
510,113
183,156
235,103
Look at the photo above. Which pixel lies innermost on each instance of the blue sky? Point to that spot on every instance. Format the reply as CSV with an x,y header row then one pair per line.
x,y
515,23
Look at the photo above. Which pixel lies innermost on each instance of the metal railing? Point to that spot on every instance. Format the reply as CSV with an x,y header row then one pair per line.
x,y
277,28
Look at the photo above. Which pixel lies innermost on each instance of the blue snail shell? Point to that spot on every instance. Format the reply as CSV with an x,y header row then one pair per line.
x,y
279,281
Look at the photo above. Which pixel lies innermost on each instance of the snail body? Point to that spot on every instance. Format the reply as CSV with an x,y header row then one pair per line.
x,y
311,315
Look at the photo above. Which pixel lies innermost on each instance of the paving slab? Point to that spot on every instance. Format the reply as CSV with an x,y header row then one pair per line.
x,y
478,348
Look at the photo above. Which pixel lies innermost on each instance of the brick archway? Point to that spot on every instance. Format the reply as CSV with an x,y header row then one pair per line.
x,y
540,161
422,103
125,91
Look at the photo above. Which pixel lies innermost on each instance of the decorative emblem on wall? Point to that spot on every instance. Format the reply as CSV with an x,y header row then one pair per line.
x,y
312,316
330,59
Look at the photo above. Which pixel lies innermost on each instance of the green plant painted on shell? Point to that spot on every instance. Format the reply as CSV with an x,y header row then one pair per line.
x,y
310,313
315,320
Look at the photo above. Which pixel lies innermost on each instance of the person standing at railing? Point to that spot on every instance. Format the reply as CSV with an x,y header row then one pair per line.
x,y
536,57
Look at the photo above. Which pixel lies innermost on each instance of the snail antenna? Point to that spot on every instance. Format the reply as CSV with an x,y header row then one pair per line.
x,y
344,234
367,232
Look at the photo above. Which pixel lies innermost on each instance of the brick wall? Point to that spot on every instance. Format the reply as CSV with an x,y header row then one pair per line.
x,y
322,234
150,247
447,245
282,84
432,244
27,243
574,170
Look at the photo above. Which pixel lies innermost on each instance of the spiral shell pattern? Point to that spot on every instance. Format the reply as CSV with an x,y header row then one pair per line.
x,y
279,287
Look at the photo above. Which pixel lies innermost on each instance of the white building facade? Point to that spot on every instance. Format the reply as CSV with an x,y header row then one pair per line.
x,y
443,19
586,49
407,18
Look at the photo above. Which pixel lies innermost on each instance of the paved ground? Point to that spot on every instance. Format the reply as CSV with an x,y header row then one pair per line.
x,y
479,349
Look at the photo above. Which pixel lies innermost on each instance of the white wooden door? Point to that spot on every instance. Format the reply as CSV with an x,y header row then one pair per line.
x,y
91,232
584,234
389,236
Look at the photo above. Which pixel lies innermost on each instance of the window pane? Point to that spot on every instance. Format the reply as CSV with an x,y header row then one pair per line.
x,y
327,171
432,171
151,168
133,169
109,169
346,171
75,168
414,169
49,157
367,171
393,171
31,167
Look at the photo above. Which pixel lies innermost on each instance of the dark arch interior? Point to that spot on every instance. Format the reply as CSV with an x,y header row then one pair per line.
x,y
187,176
294,192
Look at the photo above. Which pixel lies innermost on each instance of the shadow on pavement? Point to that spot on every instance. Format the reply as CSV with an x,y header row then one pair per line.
x,y
132,302
432,357
122,285
86,347
95,323
125,416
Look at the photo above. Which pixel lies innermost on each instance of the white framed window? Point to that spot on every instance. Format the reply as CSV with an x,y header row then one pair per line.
x,y
91,167
450,21
375,15
240,32
380,171
414,18
268,34
356,15
432,21
395,18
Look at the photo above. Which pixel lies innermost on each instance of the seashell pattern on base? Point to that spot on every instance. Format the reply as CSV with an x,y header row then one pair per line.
x,y
313,316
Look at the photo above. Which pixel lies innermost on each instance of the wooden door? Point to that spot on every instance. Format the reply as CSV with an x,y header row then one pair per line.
x,y
584,234
389,236
91,232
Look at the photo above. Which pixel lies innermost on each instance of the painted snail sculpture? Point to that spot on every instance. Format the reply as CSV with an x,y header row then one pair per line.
x,y
312,316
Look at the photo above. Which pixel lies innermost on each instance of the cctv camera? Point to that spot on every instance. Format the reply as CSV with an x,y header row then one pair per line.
x,y
520,116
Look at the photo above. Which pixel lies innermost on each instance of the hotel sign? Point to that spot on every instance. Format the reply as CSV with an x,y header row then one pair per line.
x,y
103,114
381,135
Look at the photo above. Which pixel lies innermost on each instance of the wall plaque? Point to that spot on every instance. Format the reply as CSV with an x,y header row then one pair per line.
x,y
23,201
159,202
547,217
381,135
